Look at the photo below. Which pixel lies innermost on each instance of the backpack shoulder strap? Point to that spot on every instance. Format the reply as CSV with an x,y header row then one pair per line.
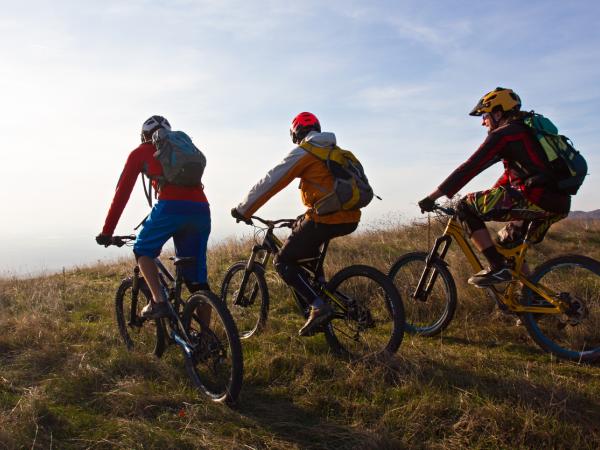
x,y
323,153
147,189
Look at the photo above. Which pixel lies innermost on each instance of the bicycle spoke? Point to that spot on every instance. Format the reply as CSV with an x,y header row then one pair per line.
x,y
369,317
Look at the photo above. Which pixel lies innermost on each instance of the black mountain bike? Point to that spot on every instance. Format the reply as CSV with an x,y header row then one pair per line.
x,y
368,313
201,326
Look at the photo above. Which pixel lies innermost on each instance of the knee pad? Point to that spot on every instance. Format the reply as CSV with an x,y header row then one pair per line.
x,y
286,270
469,219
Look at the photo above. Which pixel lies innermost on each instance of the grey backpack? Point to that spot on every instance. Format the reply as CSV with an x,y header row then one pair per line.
x,y
182,162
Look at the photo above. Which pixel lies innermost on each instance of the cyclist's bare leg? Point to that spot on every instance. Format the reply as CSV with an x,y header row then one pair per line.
x,y
482,239
150,271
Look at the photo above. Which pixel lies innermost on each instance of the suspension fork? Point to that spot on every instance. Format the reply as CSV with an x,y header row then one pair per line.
x,y
249,266
428,277
135,290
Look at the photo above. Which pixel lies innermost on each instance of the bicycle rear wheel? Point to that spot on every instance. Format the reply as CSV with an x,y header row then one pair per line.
x,y
574,335
430,314
215,365
250,314
369,316
145,336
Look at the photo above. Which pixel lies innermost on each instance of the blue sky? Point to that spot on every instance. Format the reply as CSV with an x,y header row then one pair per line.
x,y
393,79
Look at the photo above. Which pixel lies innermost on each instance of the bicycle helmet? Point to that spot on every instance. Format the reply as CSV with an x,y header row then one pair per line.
x,y
500,99
153,124
303,124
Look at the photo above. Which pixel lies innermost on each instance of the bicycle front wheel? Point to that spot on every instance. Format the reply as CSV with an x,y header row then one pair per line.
x,y
574,335
138,333
433,310
215,365
369,316
251,307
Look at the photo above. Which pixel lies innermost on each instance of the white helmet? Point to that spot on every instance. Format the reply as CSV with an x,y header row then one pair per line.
x,y
153,124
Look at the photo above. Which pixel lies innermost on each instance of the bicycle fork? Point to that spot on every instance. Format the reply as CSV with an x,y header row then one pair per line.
x,y
428,277
134,319
239,299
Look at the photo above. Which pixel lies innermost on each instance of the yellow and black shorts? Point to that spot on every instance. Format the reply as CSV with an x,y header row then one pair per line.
x,y
502,204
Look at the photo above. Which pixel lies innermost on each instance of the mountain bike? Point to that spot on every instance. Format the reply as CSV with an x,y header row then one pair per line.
x,y
200,326
368,314
558,302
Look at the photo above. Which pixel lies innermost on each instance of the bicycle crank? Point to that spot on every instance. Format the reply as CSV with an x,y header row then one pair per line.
x,y
576,312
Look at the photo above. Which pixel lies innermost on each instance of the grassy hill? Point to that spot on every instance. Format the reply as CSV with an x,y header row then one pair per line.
x,y
66,380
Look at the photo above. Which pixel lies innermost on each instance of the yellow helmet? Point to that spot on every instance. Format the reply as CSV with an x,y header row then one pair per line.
x,y
500,98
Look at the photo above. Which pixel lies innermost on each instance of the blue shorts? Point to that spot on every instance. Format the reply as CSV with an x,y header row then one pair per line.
x,y
188,223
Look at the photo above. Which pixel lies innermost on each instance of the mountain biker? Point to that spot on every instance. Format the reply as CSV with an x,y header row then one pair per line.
x,y
181,212
311,230
520,196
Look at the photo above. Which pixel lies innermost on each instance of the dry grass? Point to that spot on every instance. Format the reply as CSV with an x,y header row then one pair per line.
x,y
67,382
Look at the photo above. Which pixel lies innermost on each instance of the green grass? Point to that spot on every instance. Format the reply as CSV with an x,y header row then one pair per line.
x,y
66,380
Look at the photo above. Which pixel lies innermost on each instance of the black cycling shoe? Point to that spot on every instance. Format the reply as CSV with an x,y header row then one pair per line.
x,y
155,310
489,277
316,318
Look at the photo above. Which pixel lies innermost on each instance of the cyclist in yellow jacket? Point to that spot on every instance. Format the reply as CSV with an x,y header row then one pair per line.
x,y
312,230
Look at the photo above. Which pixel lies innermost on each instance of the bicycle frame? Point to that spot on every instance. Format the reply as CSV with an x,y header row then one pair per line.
x,y
271,244
174,286
509,296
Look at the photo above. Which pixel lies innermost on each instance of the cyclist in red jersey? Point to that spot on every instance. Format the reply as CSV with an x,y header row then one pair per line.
x,y
524,195
181,212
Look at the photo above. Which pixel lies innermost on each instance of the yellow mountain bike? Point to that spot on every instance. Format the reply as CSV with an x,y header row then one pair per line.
x,y
559,302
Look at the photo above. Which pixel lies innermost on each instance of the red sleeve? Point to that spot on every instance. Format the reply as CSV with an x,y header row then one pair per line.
x,y
504,180
132,169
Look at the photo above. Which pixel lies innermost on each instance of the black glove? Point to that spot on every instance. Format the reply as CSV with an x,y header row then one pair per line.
x,y
238,217
104,239
427,205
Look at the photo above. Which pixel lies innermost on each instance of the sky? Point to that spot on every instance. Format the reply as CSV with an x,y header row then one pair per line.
x,y
394,80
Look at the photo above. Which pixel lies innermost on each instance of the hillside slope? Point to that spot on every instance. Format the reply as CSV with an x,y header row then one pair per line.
x,y
66,380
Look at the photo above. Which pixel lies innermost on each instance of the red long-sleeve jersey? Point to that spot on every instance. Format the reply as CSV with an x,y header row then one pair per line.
x,y
522,157
142,160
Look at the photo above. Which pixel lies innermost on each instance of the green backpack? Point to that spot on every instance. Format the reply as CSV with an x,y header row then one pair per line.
x,y
567,166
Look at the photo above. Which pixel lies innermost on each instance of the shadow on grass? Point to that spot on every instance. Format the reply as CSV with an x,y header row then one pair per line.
x,y
517,348
570,406
307,427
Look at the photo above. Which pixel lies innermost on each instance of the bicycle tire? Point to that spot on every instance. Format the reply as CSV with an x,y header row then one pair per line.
x,y
578,277
373,322
250,316
216,366
147,336
431,316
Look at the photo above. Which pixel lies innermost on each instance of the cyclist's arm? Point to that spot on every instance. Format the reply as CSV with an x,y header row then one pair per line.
x,y
485,156
276,179
127,180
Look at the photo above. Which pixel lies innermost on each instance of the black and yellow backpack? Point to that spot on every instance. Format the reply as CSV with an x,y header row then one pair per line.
x,y
351,189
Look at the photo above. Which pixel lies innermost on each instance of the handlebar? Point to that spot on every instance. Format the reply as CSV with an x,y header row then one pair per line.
x,y
120,241
446,210
280,223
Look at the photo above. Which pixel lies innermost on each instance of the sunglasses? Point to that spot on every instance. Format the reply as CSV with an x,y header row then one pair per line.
x,y
485,116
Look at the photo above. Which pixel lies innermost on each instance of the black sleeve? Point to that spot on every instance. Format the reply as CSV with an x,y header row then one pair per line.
x,y
486,155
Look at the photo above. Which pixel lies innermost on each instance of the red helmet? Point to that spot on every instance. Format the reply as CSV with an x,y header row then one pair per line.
x,y
303,124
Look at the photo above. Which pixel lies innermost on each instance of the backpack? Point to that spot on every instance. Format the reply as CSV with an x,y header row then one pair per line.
x,y
567,166
351,189
182,162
